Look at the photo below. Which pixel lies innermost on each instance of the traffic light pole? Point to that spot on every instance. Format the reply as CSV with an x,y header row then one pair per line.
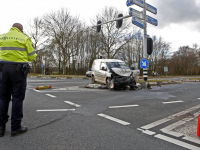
x,y
145,71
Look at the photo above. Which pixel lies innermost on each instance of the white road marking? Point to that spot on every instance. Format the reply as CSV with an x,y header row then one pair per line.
x,y
123,106
56,110
76,105
172,102
191,139
50,95
198,98
177,142
156,123
147,131
36,90
114,119
171,127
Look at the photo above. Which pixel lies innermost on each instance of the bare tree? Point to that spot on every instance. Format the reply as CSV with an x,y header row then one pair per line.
x,y
63,28
35,31
111,38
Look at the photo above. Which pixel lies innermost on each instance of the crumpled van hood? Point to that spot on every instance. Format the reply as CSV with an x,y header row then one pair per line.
x,y
122,72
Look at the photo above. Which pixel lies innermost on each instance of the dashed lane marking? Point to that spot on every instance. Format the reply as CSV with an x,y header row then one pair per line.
x,y
114,119
50,95
55,110
172,102
73,104
177,142
123,106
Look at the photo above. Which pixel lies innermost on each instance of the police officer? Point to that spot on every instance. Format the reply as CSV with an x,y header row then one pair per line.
x,y
15,52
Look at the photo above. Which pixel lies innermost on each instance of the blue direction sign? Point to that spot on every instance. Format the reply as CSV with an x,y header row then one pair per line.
x,y
128,3
137,2
144,63
136,21
151,9
42,65
152,20
133,12
140,3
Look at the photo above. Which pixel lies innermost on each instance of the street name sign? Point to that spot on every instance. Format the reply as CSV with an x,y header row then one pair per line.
x,y
144,63
140,3
151,20
136,21
133,12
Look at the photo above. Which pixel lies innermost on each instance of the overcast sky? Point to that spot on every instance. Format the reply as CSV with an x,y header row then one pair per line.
x,y
178,20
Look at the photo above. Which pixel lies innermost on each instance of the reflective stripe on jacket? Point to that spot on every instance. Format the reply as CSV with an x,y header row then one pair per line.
x,y
16,47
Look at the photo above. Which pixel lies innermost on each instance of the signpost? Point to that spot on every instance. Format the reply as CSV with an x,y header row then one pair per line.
x,y
42,66
137,20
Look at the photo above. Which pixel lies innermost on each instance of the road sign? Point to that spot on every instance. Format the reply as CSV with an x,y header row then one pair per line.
x,y
128,3
136,21
133,12
140,3
42,65
144,63
152,20
165,69
151,9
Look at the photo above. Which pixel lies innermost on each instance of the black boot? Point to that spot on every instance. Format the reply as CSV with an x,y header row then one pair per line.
x,y
19,131
2,129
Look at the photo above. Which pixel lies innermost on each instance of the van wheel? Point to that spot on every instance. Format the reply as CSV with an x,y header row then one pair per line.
x,y
108,83
93,79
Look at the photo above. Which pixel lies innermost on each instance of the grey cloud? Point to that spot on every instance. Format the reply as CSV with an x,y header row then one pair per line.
x,y
177,11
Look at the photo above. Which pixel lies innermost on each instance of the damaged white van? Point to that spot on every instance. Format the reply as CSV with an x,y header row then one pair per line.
x,y
114,73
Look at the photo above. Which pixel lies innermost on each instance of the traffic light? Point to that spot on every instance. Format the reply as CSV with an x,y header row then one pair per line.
x,y
119,22
149,46
99,27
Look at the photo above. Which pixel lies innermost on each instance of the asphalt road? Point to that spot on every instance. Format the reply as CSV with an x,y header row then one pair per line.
x,y
69,117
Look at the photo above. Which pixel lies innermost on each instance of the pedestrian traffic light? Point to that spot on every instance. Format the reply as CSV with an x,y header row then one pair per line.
x,y
149,46
99,26
119,22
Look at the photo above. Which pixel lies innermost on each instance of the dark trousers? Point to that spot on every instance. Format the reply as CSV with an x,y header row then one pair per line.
x,y
12,83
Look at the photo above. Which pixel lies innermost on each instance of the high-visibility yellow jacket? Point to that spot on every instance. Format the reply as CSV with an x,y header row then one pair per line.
x,y
16,47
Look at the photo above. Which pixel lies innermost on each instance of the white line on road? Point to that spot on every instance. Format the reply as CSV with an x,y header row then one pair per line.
x,y
177,142
151,125
123,106
172,102
191,139
146,131
50,95
56,110
114,119
76,105
36,90
198,98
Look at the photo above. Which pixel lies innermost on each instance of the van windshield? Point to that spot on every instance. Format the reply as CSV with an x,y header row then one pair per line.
x,y
116,65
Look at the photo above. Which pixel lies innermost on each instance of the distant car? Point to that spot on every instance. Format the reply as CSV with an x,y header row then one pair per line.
x,y
88,73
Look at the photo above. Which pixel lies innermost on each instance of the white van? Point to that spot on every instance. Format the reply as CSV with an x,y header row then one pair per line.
x,y
114,73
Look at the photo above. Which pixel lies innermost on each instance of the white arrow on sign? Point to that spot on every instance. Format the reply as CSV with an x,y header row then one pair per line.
x,y
133,12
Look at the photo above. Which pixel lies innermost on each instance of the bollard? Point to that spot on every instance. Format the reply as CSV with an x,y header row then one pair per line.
x,y
198,127
43,87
